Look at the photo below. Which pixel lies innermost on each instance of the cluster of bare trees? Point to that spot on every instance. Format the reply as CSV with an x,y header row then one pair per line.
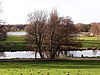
x,y
95,28
15,27
50,34
83,27
91,28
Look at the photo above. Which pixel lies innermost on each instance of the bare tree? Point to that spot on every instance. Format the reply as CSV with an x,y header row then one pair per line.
x,y
52,34
59,33
83,27
95,28
13,29
79,26
37,21
3,30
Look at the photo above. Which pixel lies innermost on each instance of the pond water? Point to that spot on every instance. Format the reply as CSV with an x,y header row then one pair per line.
x,y
18,54
31,54
85,53
16,33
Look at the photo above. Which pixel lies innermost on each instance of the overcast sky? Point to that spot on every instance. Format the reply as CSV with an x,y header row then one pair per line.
x,y
81,11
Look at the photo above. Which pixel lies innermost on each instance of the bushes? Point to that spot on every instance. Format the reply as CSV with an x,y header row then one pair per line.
x,y
3,32
7,46
3,36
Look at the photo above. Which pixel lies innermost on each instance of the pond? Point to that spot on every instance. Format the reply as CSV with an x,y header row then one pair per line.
x,y
85,53
18,54
16,33
31,54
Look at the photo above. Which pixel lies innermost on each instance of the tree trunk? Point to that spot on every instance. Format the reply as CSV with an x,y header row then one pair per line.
x,y
41,55
35,54
53,54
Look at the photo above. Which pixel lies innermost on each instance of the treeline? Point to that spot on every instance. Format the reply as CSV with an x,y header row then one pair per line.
x,y
3,32
93,28
16,27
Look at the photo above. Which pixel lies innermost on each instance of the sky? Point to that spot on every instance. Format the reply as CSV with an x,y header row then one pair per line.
x,y
81,11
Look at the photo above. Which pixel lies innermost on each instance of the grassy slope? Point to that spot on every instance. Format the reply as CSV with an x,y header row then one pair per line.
x,y
90,42
50,68
18,41
20,44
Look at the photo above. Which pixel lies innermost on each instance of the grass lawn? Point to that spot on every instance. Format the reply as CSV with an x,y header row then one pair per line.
x,y
71,67
90,42
18,42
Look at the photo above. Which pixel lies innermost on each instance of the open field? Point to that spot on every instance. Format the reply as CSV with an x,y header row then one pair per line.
x,y
79,67
20,44
90,42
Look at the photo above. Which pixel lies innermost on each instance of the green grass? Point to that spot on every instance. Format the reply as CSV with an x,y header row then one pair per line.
x,y
18,42
51,68
16,38
90,42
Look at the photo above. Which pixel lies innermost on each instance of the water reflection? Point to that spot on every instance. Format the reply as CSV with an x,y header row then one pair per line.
x,y
31,54
16,33
18,54
95,52
2,54
86,53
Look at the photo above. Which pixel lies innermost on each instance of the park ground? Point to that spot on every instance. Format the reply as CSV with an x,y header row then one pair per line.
x,y
68,67
90,42
20,44
62,67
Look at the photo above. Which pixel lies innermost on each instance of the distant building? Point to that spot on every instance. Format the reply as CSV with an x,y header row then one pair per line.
x,y
91,34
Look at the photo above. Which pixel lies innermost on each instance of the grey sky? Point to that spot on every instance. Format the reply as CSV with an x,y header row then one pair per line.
x,y
81,11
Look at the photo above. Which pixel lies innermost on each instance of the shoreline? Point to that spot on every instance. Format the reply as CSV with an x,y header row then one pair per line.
x,y
45,59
